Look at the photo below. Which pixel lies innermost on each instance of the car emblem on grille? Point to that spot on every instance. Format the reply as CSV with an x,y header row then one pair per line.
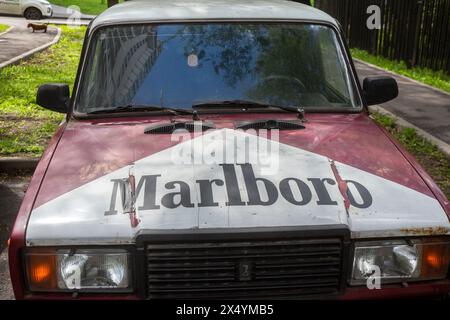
x,y
245,270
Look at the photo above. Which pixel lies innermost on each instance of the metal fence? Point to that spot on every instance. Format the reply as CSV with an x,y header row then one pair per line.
x,y
415,31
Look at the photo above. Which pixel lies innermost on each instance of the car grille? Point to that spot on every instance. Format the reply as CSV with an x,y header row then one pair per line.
x,y
269,268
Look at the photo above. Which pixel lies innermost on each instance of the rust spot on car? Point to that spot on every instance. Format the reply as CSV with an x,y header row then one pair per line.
x,y
134,219
427,231
342,185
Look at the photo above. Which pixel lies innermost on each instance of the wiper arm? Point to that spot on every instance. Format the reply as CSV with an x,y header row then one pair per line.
x,y
141,108
248,104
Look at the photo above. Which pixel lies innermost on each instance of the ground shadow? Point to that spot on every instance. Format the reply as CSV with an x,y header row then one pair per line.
x,y
10,200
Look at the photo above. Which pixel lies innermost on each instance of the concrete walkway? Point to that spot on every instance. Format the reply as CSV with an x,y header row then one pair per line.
x,y
12,191
6,290
420,105
20,39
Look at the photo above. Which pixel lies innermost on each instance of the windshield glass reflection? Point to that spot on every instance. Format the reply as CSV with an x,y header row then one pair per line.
x,y
179,65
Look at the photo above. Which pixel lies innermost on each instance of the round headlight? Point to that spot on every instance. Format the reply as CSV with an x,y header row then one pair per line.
x,y
407,258
400,260
86,270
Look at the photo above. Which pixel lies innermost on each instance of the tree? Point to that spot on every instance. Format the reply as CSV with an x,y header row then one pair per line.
x,y
112,2
308,2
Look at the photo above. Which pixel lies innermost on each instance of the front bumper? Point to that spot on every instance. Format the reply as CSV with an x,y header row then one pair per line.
x,y
157,241
433,289
428,289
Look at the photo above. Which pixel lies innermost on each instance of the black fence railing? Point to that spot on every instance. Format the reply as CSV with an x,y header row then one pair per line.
x,y
415,31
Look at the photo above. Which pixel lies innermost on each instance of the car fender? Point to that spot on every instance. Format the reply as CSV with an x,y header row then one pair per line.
x,y
17,238
437,192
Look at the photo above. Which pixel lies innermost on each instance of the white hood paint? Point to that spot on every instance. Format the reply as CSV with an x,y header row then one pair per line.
x,y
78,217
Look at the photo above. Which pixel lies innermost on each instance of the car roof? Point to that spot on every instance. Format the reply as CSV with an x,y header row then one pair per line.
x,y
142,11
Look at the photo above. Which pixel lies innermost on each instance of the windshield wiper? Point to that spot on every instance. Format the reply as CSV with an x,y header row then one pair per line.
x,y
248,104
144,108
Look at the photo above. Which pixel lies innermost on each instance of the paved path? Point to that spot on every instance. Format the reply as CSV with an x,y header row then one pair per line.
x,y
6,291
422,106
12,191
20,39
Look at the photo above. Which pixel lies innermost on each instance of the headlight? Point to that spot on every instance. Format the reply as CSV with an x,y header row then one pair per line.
x,y
85,270
400,260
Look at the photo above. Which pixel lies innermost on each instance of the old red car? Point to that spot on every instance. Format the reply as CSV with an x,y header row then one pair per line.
x,y
224,149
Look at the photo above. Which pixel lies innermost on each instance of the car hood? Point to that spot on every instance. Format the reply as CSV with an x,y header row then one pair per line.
x,y
108,181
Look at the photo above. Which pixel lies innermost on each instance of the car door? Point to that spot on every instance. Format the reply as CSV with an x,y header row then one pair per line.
x,y
10,7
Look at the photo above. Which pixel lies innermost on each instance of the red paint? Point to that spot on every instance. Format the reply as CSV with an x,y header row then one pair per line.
x,y
81,297
133,215
413,290
437,192
134,219
342,185
82,151
17,239
91,149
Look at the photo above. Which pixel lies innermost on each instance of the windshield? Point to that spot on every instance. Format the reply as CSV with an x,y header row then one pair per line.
x,y
181,65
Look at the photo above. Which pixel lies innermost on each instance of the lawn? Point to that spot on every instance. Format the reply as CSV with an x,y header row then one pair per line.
x,y
94,7
435,162
3,27
25,127
437,79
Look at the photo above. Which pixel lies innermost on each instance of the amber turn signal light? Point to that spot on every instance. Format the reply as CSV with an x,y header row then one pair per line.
x,y
435,260
41,271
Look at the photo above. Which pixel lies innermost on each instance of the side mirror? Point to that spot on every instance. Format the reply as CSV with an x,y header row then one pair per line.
x,y
53,96
379,89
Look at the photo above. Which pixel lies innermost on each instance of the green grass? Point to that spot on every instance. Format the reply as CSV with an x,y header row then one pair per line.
x,y
437,79
3,27
434,161
25,127
24,136
94,7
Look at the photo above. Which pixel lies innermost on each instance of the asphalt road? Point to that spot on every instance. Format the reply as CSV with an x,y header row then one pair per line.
x,y
420,105
20,39
12,191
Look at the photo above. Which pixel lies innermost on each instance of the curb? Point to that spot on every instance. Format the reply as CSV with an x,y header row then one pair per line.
x,y
7,30
28,54
10,164
83,23
402,76
443,146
